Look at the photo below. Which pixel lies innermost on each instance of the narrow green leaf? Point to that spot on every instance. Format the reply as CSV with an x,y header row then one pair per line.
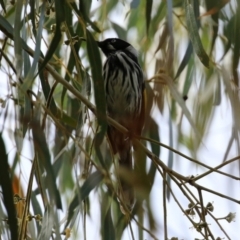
x,y
196,12
48,222
213,4
170,50
8,30
87,7
32,16
59,10
69,120
46,91
108,227
65,175
36,208
6,27
71,64
148,13
185,60
176,95
98,84
121,32
153,133
228,33
74,58
134,4
93,181
111,4
99,92
232,92
84,7
236,49
26,62
26,112
3,5
83,192
162,38
193,33
41,147
229,145
170,156
157,18
188,80
30,76
3,225
17,37
7,192
18,136
217,92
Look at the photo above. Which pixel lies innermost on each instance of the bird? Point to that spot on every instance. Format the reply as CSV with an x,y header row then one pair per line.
x,y
125,103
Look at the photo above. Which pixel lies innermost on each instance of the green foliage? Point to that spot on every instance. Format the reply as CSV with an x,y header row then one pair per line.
x,y
53,105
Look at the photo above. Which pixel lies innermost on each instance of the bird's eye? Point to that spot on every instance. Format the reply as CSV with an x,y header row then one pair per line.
x,y
113,40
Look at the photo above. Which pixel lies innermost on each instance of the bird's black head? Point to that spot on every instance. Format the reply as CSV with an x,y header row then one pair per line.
x,y
113,45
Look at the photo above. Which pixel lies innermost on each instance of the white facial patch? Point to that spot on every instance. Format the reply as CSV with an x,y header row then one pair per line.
x,y
110,47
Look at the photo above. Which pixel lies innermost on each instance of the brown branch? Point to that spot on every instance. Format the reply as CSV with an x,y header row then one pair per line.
x,y
145,229
165,206
217,167
196,161
220,226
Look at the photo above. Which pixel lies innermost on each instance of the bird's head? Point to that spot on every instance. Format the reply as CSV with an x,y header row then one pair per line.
x,y
113,45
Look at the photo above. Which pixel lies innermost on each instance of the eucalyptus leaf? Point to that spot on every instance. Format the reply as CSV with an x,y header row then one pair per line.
x,y
7,192
193,33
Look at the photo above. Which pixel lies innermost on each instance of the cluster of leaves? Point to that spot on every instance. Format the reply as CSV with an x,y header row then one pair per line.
x,y
53,75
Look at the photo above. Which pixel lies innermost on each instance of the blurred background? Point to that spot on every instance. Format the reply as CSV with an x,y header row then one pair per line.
x,y
57,172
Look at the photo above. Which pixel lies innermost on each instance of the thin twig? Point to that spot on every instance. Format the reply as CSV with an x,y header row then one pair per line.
x,y
50,96
10,64
145,229
217,167
196,161
131,230
23,227
220,226
178,203
177,175
214,192
202,216
165,207
84,220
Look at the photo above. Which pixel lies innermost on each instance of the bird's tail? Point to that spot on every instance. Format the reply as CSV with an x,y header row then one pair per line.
x,y
121,144
125,189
